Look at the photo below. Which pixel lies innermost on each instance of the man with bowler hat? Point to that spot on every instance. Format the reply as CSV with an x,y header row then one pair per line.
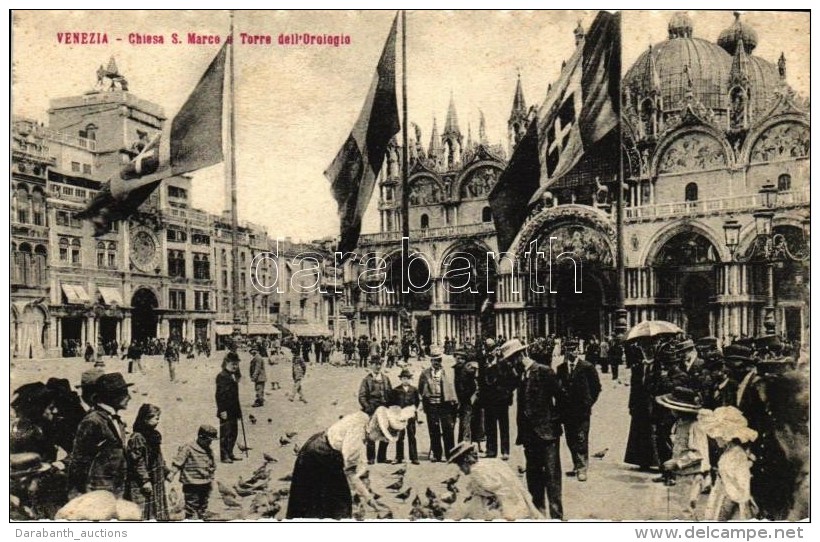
x,y
227,407
98,457
539,427
580,388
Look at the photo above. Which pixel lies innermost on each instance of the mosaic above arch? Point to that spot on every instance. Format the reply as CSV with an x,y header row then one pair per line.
x,y
692,152
782,142
479,183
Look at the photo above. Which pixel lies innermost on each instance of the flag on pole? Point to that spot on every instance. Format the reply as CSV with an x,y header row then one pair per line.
x,y
583,106
196,142
580,110
196,131
353,172
511,194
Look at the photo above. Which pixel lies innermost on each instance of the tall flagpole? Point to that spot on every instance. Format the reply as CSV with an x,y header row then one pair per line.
x,y
230,167
405,169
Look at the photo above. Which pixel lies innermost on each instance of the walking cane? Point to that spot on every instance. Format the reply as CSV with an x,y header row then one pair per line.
x,y
244,447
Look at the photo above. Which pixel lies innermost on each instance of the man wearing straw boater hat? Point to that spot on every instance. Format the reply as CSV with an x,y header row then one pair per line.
x,y
539,427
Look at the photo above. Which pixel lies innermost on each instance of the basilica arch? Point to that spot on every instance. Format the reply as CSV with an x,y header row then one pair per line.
x,y
572,289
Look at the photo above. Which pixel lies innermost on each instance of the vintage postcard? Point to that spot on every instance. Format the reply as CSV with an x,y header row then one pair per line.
x,y
409,265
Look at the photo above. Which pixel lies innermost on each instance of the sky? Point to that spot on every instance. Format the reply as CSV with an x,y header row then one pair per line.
x,y
295,105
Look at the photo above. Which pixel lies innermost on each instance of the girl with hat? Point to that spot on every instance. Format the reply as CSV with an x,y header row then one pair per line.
x,y
332,462
731,496
146,466
497,493
690,445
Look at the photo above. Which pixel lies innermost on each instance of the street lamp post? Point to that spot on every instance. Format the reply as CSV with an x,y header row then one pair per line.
x,y
767,247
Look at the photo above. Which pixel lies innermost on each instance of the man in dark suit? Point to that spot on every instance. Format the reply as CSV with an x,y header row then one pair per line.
x,y
375,391
406,395
580,388
539,427
98,456
227,406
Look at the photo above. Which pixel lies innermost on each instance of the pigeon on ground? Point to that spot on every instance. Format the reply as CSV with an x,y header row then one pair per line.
x,y
284,441
269,458
521,470
430,494
291,434
404,495
243,448
296,448
399,472
334,403
225,490
452,480
231,502
286,478
252,419
396,486
601,454
450,498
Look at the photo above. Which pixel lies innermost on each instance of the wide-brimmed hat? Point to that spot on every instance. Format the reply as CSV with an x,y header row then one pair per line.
x,y
666,353
684,346
727,423
436,352
511,347
460,451
90,377
207,431
775,366
737,355
112,383
772,343
26,464
32,397
392,420
60,386
231,357
405,373
682,400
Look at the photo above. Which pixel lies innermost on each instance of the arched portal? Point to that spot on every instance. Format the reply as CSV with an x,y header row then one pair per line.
x,y
144,315
685,271
469,277
572,289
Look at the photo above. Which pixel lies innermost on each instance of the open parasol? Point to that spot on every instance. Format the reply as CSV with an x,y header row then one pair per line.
x,y
651,329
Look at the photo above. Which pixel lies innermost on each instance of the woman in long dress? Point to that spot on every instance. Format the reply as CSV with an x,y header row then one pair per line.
x,y
146,466
332,462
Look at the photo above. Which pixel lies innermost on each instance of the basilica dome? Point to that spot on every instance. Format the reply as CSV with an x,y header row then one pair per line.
x,y
683,62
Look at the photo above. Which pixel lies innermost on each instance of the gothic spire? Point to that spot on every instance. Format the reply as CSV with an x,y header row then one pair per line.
x,y
519,107
739,74
482,129
451,124
435,141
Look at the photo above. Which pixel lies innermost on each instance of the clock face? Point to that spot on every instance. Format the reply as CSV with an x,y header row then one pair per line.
x,y
144,253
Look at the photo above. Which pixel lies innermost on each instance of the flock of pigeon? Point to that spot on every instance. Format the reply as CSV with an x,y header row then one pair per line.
x,y
260,496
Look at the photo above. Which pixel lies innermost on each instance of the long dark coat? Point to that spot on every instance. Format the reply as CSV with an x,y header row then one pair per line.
x,y
98,457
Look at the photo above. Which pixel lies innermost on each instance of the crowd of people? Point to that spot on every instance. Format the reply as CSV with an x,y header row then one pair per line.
x,y
704,416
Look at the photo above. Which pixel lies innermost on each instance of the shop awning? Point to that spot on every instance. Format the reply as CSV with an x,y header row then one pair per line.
x,y
111,296
262,329
223,329
308,330
76,295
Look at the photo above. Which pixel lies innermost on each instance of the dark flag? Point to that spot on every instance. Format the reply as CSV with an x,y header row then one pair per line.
x,y
354,170
583,106
122,194
196,142
510,196
196,132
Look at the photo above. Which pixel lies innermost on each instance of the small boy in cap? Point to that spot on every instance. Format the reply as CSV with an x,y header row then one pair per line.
x,y
405,395
196,465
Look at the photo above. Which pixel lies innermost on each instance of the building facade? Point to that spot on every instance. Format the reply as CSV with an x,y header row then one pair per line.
x,y
705,126
164,273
